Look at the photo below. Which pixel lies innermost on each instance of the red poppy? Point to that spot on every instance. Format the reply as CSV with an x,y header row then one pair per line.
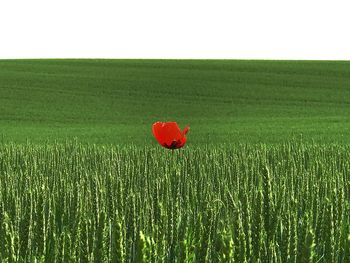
x,y
168,134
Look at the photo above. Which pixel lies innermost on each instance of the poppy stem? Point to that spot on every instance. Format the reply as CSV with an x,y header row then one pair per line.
x,y
173,154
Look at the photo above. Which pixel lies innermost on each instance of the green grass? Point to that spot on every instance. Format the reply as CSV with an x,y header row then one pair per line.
x,y
224,101
76,203
264,176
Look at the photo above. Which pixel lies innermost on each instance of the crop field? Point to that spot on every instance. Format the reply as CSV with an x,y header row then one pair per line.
x,y
264,175
74,203
224,101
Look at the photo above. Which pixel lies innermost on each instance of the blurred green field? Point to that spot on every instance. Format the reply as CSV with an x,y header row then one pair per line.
x,y
224,101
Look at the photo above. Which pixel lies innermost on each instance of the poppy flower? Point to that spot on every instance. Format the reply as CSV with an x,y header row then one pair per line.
x,y
168,134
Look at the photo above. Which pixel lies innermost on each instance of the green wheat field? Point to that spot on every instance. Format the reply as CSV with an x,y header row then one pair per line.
x,y
264,175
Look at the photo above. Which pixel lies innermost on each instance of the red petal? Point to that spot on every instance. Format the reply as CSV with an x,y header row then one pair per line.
x,y
185,131
169,135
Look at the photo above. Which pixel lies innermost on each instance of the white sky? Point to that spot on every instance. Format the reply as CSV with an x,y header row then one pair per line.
x,y
262,29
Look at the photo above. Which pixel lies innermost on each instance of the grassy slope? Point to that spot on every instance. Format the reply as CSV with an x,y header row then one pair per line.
x,y
223,101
